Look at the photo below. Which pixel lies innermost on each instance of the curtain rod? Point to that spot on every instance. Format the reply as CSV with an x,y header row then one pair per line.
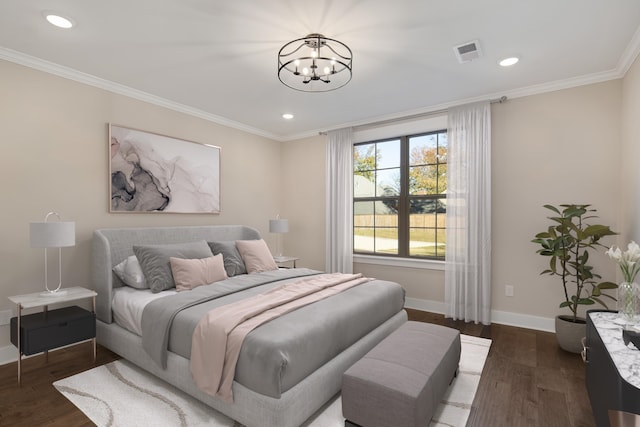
x,y
414,116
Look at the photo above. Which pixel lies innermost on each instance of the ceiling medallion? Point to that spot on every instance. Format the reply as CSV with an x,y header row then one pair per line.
x,y
315,63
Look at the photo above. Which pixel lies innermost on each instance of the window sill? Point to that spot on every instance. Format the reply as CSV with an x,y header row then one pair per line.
x,y
427,264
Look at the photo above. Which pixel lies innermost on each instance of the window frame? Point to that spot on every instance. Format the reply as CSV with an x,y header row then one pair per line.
x,y
404,200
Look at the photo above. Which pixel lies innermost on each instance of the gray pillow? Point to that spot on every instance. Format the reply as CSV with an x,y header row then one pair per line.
x,y
233,262
154,261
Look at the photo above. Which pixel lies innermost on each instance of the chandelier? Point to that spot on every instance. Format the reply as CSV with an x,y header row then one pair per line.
x,y
314,63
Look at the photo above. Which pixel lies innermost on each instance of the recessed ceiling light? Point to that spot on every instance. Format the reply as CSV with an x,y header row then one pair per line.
x,y
507,62
58,20
287,116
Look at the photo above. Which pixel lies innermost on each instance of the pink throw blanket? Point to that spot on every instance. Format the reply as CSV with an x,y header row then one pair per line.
x,y
218,336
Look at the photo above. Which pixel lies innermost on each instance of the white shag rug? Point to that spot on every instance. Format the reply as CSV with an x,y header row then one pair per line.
x,y
120,394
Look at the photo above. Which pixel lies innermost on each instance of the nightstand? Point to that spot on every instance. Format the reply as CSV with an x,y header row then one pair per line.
x,y
285,259
41,332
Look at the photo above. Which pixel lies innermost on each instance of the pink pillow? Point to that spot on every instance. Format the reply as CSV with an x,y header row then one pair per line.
x,y
256,255
191,273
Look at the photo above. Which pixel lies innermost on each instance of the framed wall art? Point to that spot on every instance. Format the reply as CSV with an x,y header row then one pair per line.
x,y
157,173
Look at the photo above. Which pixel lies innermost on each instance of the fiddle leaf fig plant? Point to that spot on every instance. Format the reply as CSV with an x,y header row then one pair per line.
x,y
567,243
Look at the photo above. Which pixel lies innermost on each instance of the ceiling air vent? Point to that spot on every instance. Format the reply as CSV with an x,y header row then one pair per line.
x,y
468,51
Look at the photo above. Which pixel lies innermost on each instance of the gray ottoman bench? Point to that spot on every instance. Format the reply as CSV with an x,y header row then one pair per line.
x,y
401,381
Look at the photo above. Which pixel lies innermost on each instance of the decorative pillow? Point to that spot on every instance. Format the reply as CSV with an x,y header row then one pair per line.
x,y
256,255
233,262
154,260
191,273
130,273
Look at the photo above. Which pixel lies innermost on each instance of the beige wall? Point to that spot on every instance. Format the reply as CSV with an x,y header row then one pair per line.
x,y
558,147
303,185
54,157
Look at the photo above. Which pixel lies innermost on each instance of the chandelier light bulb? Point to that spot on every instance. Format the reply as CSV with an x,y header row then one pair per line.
x,y
327,70
305,71
314,53
296,62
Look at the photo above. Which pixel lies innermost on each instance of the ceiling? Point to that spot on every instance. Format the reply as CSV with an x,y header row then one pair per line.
x,y
217,59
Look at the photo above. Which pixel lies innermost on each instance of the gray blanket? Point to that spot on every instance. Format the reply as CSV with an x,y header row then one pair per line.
x,y
280,353
158,316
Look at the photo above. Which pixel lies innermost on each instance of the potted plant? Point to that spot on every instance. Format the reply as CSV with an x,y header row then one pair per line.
x,y
567,242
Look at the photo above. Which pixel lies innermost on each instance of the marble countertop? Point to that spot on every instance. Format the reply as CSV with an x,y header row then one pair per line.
x,y
626,358
41,299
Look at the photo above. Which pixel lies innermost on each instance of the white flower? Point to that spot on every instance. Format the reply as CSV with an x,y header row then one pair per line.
x,y
633,250
614,254
628,260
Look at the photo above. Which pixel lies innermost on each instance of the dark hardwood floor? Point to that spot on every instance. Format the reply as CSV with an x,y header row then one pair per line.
x,y
37,402
527,381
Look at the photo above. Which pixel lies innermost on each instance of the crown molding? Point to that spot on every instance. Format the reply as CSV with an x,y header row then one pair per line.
x,y
630,54
564,84
627,59
510,94
91,80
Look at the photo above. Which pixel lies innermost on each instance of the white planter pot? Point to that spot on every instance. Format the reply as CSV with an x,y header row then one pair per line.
x,y
569,334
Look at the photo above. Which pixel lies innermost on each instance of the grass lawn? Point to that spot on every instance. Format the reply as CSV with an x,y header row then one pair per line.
x,y
423,241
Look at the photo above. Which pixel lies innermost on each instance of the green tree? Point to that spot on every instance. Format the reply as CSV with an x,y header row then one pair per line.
x,y
428,173
364,163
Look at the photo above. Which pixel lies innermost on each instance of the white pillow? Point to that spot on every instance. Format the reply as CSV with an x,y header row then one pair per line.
x,y
256,255
130,272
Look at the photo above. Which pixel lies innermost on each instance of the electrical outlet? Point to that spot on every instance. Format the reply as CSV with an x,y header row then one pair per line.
x,y
5,317
508,290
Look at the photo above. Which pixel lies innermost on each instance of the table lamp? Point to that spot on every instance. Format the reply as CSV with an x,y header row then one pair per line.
x,y
55,234
279,226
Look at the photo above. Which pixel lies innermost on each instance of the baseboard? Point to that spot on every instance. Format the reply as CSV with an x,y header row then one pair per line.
x,y
424,305
523,321
8,354
501,317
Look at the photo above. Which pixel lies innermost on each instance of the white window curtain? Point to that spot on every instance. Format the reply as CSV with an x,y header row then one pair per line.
x,y
339,252
468,252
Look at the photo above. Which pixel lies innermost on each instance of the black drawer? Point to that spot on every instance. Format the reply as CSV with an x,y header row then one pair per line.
x,y
44,331
607,390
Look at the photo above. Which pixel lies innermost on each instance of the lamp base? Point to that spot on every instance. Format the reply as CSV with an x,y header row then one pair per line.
x,y
53,294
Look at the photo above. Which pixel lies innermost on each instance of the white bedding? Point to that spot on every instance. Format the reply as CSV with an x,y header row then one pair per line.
x,y
128,304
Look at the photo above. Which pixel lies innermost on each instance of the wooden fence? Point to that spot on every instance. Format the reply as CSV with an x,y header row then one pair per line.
x,y
418,220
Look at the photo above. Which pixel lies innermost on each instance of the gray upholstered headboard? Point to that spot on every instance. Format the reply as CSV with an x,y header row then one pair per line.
x,y
111,246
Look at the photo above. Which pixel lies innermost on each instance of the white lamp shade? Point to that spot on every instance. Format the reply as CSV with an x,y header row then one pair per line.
x,y
279,225
52,234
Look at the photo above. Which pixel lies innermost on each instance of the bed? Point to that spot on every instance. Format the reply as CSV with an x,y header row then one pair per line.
x,y
288,393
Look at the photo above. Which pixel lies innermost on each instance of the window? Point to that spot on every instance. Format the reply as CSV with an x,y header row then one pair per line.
x,y
399,196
